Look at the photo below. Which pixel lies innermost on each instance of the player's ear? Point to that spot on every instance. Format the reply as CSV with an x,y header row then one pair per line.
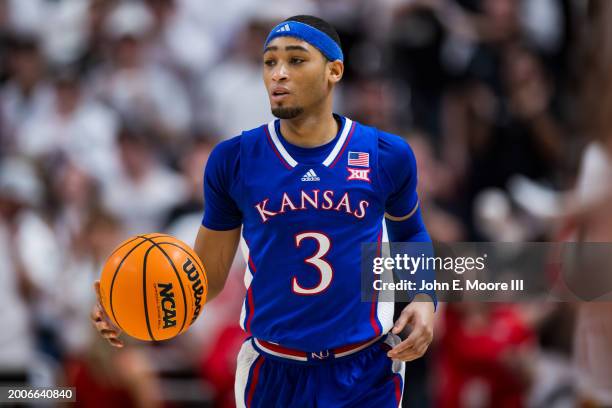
x,y
336,70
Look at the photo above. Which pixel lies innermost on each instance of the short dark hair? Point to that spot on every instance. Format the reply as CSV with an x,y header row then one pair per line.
x,y
319,24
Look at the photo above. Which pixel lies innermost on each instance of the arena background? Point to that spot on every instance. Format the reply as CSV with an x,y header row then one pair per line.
x,y
109,110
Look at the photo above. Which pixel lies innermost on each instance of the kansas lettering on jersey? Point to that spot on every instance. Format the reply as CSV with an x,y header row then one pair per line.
x,y
303,226
309,200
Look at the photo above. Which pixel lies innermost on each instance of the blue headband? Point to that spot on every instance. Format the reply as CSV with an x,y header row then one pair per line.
x,y
311,35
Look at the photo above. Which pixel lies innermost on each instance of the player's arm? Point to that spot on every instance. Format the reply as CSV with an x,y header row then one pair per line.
x,y
411,228
405,224
216,249
419,314
219,234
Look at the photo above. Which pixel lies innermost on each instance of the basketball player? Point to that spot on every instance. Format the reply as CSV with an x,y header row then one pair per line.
x,y
308,189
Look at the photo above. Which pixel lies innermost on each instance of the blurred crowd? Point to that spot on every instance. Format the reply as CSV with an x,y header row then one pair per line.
x,y
110,108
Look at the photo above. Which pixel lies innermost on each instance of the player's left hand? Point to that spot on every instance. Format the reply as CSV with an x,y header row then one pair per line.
x,y
419,314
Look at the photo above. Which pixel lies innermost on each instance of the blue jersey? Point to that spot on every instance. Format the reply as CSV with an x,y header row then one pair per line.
x,y
305,213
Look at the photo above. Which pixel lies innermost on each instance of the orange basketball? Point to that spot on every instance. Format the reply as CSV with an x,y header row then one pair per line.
x,y
153,286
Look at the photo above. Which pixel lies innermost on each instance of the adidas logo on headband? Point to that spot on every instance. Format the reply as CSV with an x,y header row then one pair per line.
x,y
317,38
284,28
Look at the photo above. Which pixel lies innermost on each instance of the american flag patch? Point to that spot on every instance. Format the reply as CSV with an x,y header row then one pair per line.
x,y
360,159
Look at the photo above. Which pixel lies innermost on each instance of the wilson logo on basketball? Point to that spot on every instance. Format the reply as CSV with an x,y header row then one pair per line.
x,y
196,284
168,305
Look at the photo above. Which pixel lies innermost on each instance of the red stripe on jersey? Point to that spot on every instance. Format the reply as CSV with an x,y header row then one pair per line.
x,y
251,309
254,380
287,165
249,293
251,265
346,142
283,350
373,317
398,388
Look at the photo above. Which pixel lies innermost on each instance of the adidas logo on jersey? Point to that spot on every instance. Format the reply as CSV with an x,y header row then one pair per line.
x,y
310,176
283,28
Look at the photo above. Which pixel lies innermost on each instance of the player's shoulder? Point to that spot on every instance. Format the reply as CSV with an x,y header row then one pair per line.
x,y
227,148
391,147
255,133
223,164
393,143
385,140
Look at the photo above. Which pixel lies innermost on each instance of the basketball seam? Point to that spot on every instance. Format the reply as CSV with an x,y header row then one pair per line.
x,y
196,258
115,276
110,300
187,252
155,244
202,274
144,291
122,245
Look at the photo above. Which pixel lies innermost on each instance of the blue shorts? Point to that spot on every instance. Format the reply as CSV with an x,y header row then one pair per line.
x,y
365,378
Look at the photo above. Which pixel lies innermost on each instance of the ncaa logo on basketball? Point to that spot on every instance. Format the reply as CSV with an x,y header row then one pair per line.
x,y
168,305
196,285
358,174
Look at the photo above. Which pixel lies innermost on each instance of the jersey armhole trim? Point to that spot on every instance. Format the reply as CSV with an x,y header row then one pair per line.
x,y
377,173
404,217
241,188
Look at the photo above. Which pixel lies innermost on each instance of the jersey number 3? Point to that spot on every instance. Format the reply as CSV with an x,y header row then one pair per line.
x,y
325,269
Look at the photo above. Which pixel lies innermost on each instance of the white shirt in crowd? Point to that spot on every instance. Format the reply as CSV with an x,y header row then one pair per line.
x,y
146,93
87,136
142,205
16,109
38,252
219,89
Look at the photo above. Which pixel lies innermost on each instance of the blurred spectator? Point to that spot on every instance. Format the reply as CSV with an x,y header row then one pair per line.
x,y
219,365
19,341
81,128
238,74
30,260
414,42
593,219
184,219
73,194
586,217
141,91
106,377
63,30
371,101
27,93
4,43
82,265
177,42
26,16
492,136
220,20
485,355
95,42
436,191
145,189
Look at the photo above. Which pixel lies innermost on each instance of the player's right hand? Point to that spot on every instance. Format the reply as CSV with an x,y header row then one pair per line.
x,y
102,323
